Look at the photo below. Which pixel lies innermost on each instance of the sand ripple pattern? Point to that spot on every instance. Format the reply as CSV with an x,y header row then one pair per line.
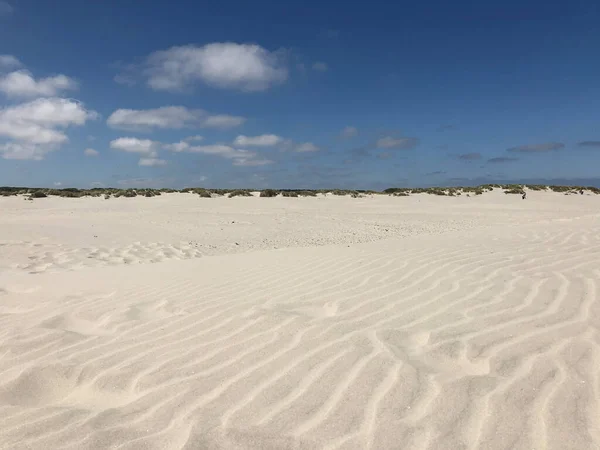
x,y
433,343
42,257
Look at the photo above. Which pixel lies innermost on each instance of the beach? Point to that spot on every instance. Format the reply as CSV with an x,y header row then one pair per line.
x,y
328,322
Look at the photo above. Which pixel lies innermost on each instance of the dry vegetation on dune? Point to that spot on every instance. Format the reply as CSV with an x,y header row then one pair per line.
x,y
107,193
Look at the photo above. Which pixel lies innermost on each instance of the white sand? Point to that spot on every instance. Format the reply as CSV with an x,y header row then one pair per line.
x,y
311,323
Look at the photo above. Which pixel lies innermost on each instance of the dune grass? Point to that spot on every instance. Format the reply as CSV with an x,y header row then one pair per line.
x,y
107,193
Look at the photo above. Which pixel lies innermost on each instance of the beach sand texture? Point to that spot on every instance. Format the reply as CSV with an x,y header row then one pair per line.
x,y
382,322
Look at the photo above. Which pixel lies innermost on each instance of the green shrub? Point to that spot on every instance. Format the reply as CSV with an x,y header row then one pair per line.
x,y
536,187
270,193
37,194
240,193
560,188
289,194
396,190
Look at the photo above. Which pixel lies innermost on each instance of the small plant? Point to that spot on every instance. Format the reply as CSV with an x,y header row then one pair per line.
x,y
203,193
37,194
270,193
515,191
289,194
536,187
240,193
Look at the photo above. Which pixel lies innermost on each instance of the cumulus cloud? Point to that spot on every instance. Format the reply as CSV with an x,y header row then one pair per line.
x,y
349,132
9,62
239,157
306,147
402,143
5,8
537,148
37,127
589,144
470,156
265,140
320,67
90,152
152,162
177,147
223,121
21,83
170,117
196,138
135,145
226,65
145,147
251,162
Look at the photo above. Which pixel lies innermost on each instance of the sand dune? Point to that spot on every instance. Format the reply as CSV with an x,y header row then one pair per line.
x,y
472,323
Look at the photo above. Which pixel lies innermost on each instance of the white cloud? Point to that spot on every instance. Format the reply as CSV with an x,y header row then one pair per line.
x,y
21,83
135,145
9,62
57,183
320,67
398,143
24,151
48,112
90,152
239,157
223,151
196,138
223,121
265,140
152,162
307,147
5,8
170,117
349,132
251,162
227,65
36,128
178,147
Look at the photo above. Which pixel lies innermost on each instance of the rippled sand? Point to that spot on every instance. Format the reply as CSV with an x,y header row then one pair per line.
x,y
300,323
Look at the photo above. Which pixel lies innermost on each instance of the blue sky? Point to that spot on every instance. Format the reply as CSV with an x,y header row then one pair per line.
x,y
298,94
